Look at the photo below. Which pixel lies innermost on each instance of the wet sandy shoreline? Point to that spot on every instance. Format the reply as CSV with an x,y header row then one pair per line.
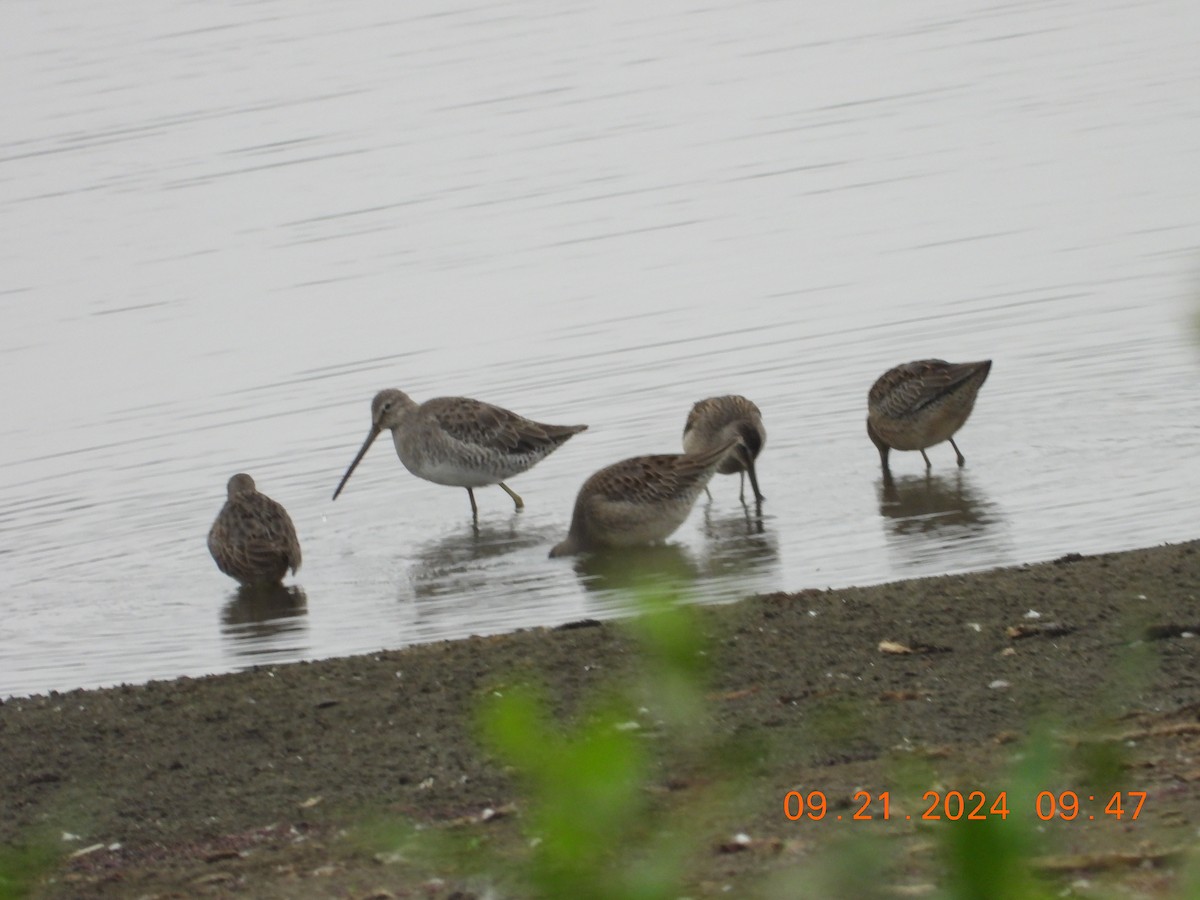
x,y
249,780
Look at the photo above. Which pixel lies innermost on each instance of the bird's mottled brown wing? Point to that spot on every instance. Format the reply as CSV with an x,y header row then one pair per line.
x,y
710,418
702,411
220,547
906,389
714,413
276,535
739,407
484,425
654,479
642,479
253,538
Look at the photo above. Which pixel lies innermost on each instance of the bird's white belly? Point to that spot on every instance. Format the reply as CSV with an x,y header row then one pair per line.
x,y
440,470
453,463
447,473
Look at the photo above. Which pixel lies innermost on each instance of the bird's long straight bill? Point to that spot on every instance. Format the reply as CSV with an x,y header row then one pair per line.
x,y
361,453
758,497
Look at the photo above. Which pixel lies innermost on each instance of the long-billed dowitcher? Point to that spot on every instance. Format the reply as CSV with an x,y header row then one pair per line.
x,y
460,442
713,421
640,500
253,539
922,403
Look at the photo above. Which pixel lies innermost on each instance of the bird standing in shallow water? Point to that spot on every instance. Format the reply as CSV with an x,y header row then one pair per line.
x,y
922,403
461,442
640,500
253,539
714,421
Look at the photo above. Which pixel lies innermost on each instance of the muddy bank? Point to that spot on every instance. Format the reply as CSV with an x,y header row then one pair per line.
x,y
245,784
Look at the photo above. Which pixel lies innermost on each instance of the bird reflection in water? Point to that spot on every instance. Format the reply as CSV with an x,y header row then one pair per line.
x,y
261,617
737,543
654,567
738,556
929,516
468,559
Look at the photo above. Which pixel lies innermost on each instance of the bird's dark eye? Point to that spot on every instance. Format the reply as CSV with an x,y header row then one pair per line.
x,y
387,406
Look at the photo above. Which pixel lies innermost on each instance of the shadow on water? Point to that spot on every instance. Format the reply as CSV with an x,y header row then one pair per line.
x,y
263,621
941,517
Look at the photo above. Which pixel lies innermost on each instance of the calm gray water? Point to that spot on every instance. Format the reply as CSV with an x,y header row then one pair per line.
x,y
224,227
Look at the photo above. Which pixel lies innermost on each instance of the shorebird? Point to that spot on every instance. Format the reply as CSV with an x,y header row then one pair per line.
x,y
253,539
461,442
922,403
715,420
640,500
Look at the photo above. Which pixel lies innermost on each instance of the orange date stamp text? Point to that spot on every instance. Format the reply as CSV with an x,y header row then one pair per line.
x,y
972,806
